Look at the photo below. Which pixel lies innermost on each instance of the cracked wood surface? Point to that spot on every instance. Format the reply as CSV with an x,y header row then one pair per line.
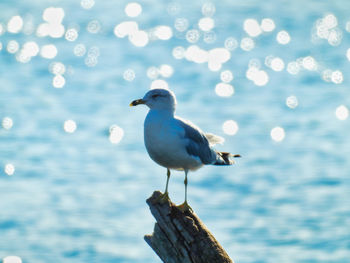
x,y
181,237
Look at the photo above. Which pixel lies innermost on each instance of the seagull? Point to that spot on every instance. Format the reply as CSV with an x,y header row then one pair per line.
x,y
175,143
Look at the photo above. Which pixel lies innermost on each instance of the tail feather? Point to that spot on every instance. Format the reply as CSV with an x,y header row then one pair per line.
x,y
225,158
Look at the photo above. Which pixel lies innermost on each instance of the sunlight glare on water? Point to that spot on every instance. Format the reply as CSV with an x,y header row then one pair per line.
x,y
224,89
230,127
252,27
277,134
133,9
15,24
7,123
69,126
342,112
116,134
12,259
9,169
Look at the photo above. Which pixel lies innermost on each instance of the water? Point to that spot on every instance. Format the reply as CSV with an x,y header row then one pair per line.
x,y
76,193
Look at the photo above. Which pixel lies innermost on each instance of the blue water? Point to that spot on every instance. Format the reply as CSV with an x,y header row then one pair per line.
x,y
77,197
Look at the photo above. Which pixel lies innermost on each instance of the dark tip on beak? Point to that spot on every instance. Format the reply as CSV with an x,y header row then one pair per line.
x,y
137,102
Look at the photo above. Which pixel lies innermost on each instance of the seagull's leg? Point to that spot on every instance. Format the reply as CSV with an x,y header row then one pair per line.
x,y
167,181
183,207
164,197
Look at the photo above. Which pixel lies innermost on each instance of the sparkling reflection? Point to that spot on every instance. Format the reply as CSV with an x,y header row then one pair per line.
x,y
206,23
208,9
9,169
342,112
226,76
292,102
133,9
283,37
179,52
69,126
71,34
192,35
58,81
277,134
48,51
116,134
12,46
87,4
79,50
230,127
231,43
247,44
129,75
224,89
15,24
7,123
267,25
159,84
181,24
252,27
12,259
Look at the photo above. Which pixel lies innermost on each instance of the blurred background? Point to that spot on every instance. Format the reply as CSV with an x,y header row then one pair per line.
x,y
271,77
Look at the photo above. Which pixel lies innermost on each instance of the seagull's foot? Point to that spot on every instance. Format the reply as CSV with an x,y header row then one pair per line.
x,y
184,207
163,198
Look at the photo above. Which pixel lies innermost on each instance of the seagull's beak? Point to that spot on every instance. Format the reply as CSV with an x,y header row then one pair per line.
x,y
137,102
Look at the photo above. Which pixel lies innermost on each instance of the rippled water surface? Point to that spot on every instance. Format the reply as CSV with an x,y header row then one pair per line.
x,y
270,77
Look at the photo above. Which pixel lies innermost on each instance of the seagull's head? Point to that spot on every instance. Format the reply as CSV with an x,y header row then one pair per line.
x,y
158,99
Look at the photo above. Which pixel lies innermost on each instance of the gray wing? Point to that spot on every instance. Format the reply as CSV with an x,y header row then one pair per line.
x,y
197,143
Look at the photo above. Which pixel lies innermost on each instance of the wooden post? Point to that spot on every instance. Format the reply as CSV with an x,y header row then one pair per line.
x,y
181,237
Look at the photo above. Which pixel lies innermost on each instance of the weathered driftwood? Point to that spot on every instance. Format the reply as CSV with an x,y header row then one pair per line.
x,y
181,237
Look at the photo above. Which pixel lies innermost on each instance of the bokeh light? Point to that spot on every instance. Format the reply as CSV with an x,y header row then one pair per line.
x,y
267,25
9,169
57,68
116,134
159,84
206,23
208,9
179,52
230,127
231,43
277,64
69,126
12,259
277,134
71,34
292,102
58,81
226,76
15,24
192,35
337,77
152,72
163,32
224,89
129,75
79,50
87,4
283,37
48,51
247,44
166,70
125,28
133,9
12,46
181,24
94,26
139,38
342,112
7,123
252,27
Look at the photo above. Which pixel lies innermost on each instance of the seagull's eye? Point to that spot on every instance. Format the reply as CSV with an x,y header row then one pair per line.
x,y
155,96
